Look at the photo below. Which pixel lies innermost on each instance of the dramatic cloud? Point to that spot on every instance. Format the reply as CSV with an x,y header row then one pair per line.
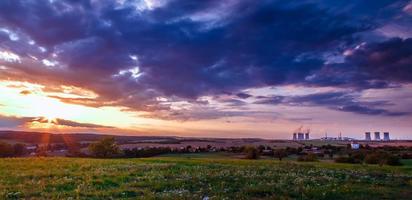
x,y
134,53
340,101
389,60
13,122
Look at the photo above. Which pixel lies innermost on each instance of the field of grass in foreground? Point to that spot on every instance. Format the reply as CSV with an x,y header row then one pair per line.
x,y
196,178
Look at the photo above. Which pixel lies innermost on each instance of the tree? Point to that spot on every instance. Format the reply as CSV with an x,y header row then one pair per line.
x,y
280,153
19,149
74,150
251,152
104,148
6,150
308,158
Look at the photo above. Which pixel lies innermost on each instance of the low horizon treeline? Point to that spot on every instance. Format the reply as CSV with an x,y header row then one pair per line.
x,y
9,150
109,148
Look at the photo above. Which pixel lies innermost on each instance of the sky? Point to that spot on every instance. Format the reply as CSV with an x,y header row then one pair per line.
x,y
233,68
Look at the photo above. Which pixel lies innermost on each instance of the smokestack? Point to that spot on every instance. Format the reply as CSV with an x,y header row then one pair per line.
x,y
368,136
377,136
386,136
294,136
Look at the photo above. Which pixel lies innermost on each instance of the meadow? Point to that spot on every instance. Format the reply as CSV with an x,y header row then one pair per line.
x,y
198,177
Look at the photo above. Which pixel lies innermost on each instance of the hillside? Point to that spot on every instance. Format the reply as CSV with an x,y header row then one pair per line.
x,y
197,178
42,137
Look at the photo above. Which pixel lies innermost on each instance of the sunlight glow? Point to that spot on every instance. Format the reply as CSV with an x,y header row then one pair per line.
x,y
39,104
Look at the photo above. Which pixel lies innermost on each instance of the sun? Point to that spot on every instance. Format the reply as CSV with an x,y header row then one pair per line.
x,y
50,115
51,119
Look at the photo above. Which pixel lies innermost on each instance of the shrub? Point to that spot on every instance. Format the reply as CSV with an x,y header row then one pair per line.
x,y
393,160
372,158
104,148
406,155
280,154
251,152
6,150
308,158
19,149
149,152
350,159
382,158
329,153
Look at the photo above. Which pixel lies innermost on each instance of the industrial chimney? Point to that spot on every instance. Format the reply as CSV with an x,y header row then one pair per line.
x,y
386,136
368,136
294,136
377,136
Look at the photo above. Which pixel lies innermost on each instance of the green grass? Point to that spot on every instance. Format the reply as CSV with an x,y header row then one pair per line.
x,y
191,177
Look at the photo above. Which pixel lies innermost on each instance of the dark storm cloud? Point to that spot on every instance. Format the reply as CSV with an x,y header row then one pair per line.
x,y
340,101
389,60
243,95
186,49
375,65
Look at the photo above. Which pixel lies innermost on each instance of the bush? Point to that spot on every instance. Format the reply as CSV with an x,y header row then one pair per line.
x,y
149,152
280,154
251,152
393,160
104,148
308,158
349,159
406,155
6,150
372,158
382,158
19,149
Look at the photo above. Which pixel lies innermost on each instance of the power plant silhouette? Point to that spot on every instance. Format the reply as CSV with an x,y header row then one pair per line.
x,y
377,136
304,134
299,134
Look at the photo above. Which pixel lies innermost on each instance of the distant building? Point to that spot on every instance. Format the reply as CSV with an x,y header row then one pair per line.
x,y
299,134
368,136
386,136
354,145
338,138
377,136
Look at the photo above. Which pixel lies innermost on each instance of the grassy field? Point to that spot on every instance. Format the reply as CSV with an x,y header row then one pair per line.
x,y
196,177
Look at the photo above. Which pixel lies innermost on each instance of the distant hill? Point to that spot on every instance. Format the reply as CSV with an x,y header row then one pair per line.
x,y
42,137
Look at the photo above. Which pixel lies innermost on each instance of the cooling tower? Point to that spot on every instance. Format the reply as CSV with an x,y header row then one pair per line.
x,y
368,136
386,136
377,136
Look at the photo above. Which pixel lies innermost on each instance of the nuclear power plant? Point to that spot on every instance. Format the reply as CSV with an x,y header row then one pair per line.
x,y
304,134
298,134
377,136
